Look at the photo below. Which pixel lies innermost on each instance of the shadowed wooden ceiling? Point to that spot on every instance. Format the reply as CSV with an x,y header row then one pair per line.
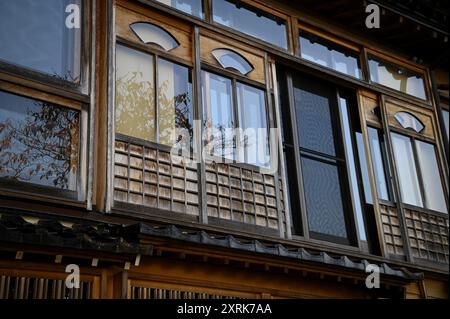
x,y
419,28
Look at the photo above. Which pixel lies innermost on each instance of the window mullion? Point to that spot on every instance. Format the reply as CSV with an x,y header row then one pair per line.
x,y
321,155
156,101
297,156
207,7
235,109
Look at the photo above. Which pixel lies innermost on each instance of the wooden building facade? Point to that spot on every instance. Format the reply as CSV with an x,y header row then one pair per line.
x,y
106,108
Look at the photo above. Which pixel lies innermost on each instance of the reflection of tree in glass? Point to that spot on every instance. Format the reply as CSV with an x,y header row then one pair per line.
x,y
41,147
219,140
135,106
174,114
68,76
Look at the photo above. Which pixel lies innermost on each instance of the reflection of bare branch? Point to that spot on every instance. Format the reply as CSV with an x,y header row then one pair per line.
x,y
217,141
174,112
43,145
68,76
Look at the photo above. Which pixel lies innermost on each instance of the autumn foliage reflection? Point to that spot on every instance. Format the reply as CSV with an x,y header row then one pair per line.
x,y
135,109
39,142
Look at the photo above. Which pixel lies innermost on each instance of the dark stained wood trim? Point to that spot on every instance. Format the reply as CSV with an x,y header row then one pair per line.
x,y
396,183
198,136
297,164
443,140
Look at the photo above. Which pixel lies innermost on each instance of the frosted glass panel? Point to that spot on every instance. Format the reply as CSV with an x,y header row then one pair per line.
x,y
434,193
218,115
406,169
253,122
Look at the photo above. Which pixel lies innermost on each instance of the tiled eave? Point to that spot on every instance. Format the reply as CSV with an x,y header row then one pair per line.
x,y
136,239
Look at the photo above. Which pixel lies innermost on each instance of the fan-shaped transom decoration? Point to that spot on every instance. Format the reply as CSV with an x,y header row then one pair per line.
x,y
409,121
151,33
230,59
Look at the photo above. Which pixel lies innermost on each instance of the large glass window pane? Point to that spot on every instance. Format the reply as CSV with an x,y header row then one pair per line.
x,y
328,54
135,94
434,193
406,169
258,24
193,7
253,122
218,115
35,35
323,198
352,167
323,166
378,163
397,78
314,124
39,142
174,103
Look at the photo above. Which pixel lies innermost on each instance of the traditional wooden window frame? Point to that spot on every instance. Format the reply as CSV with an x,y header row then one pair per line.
x,y
422,71
210,24
357,49
294,18
266,85
78,96
442,104
77,196
297,63
354,242
397,201
386,166
114,39
112,206
64,87
236,77
156,54
257,7
413,137
444,107
204,8
156,51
